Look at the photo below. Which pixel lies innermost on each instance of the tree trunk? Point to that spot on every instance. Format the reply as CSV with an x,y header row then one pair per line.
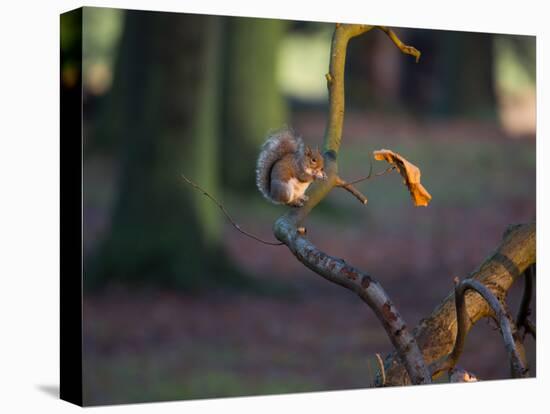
x,y
468,60
165,118
253,102
455,76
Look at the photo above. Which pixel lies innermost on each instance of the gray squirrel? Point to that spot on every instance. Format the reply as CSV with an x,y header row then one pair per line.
x,y
286,167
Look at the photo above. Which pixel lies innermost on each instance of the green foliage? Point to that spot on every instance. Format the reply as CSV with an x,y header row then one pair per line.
x,y
515,63
303,61
101,31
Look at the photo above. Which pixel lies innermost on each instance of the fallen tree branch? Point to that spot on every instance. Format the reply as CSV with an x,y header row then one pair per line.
x,y
436,334
378,174
507,328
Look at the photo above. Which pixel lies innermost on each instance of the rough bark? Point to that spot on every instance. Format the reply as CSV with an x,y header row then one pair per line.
x,y
436,334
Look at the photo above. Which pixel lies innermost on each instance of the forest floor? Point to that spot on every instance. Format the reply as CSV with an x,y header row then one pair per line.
x,y
151,345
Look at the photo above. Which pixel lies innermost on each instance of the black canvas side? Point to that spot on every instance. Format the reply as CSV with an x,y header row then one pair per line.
x,y
71,207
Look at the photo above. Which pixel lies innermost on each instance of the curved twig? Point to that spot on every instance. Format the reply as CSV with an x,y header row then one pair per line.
x,y
463,323
409,50
519,370
226,214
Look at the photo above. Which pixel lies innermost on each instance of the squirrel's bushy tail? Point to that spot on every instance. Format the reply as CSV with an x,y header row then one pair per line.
x,y
278,144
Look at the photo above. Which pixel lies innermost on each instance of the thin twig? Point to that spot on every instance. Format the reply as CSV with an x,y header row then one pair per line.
x,y
409,50
462,325
354,191
368,177
381,369
519,369
226,214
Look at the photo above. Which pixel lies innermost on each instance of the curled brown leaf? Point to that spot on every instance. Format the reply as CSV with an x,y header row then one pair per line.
x,y
410,174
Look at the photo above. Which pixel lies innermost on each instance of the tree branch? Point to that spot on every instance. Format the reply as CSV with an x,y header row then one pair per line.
x,y
507,328
335,269
436,334
369,290
354,191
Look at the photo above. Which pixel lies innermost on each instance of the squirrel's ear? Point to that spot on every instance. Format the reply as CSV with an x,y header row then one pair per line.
x,y
308,150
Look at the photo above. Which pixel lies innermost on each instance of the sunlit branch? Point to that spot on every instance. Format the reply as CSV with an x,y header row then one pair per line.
x,y
335,269
409,50
498,272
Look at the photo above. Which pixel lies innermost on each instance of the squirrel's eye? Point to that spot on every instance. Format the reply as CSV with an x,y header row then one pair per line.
x,y
314,160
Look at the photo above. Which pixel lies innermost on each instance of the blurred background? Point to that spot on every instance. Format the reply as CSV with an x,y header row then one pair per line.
x,y
177,303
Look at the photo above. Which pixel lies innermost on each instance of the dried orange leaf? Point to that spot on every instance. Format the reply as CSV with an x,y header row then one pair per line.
x,y
410,173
